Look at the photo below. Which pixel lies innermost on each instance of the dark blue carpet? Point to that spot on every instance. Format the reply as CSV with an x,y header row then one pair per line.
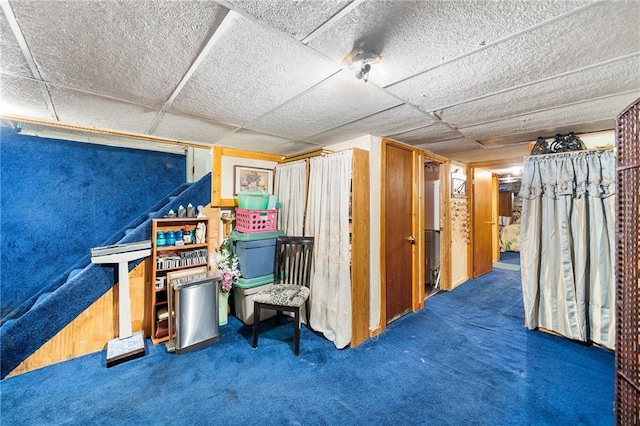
x,y
464,359
60,198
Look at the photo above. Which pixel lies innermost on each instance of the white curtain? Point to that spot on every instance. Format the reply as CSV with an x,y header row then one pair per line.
x,y
290,188
328,222
567,243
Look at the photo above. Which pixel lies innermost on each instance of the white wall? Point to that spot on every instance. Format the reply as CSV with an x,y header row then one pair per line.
x,y
199,163
599,140
432,204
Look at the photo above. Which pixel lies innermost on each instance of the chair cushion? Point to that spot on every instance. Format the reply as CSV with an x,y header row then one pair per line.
x,y
283,295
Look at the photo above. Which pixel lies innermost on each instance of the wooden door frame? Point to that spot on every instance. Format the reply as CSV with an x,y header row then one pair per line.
x,y
445,219
417,214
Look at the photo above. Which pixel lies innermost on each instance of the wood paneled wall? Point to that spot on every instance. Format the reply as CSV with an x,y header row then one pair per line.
x,y
98,324
360,278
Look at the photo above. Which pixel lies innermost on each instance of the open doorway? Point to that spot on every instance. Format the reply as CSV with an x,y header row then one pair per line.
x,y
509,211
432,227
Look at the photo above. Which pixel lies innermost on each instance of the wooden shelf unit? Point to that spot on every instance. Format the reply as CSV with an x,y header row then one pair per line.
x,y
159,298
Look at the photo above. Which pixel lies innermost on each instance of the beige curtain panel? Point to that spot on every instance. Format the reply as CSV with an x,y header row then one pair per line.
x,y
567,244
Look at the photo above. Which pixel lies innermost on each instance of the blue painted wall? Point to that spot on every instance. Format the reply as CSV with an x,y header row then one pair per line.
x,y
60,198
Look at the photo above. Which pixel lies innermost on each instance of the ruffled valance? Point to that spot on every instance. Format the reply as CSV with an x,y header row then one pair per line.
x,y
570,174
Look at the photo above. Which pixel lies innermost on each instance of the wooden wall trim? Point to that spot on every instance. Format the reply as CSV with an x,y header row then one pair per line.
x,y
91,330
216,175
306,155
382,325
418,231
446,234
469,171
495,191
360,278
104,132
230,152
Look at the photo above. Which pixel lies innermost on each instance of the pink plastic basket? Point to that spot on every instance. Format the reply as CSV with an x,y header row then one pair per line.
x,y
249,221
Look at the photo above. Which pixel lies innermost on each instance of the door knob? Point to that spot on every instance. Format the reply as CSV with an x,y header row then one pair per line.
x,y
411,239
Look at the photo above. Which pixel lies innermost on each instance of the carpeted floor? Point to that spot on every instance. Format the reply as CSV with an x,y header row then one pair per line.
x,y
464,359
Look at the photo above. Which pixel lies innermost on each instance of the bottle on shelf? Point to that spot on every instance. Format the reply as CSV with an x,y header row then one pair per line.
x,y
186,235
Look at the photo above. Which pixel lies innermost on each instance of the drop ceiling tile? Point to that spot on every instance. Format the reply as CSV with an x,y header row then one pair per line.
x,y
132,50
335,136
394,120
249,71
447,147
579,40
260,142
432,133
93,111
532,135
298,18
440,31
516,151
547,122
615,77
194,129
11,58
331,104
21,96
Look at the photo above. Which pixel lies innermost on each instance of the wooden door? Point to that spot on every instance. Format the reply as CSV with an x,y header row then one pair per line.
x,y
398,220
482,222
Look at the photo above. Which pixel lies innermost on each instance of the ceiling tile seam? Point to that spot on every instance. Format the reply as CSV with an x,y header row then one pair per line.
x,y
243,13
331,21
351,122
532,83
260,132
86,92
500,40
226,22
221,144
455,129
125,101
281,105
528,113
26,53
224,136
551,134
449,125
281,33
447,140
404,101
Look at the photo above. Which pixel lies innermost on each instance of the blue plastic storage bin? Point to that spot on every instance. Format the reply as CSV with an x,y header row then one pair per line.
x,y
256,258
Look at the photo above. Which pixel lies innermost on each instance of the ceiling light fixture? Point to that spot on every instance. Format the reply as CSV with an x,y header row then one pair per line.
x,y
362,62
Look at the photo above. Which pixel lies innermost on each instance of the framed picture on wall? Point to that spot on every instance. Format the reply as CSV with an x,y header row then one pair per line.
x,y
458,186
252,177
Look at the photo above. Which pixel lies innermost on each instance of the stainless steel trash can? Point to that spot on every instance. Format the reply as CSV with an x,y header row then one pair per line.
x,y
193,308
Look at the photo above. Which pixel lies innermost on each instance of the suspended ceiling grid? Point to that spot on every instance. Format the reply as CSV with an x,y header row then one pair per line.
x,y
463,79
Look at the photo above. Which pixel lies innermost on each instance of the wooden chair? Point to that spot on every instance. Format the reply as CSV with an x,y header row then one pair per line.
x,y
290,290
